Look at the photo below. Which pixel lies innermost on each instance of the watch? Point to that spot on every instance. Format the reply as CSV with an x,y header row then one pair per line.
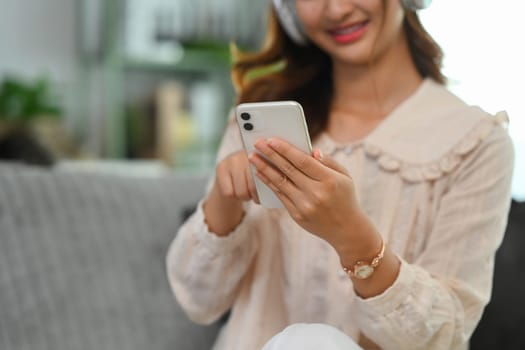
x,y
363,269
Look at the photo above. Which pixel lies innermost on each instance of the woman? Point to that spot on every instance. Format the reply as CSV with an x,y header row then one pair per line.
x,y
407,191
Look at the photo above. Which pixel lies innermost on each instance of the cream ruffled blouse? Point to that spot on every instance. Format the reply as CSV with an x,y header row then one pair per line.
x,y
434,177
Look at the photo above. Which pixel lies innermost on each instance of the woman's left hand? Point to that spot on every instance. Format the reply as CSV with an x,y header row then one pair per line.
x,y
318,192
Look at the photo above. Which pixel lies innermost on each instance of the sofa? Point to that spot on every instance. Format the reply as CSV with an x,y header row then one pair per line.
x,y
82,264
82,261
502,325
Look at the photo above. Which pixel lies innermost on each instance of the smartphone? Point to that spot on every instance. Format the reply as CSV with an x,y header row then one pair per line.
x,y
262,120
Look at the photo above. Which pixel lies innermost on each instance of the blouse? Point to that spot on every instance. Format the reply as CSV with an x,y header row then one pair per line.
x,y
434,177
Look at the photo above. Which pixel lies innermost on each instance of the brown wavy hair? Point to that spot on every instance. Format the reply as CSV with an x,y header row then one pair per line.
x,y
283,70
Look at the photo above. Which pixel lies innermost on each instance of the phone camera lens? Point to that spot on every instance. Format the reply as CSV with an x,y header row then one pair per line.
x,y
245,116
248,126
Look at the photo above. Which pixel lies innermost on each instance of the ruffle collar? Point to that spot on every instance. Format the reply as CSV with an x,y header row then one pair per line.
x,y
426,136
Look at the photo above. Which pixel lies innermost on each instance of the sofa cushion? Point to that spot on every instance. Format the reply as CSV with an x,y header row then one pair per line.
x,y
82,261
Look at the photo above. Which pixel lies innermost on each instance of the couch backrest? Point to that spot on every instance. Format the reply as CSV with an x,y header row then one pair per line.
x,y
503,323
82,261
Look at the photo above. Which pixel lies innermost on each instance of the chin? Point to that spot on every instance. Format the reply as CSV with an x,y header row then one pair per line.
x,y
357,54
352,57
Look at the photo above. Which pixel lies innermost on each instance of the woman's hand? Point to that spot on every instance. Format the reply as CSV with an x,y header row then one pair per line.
x,y
320,196
233,185
318,193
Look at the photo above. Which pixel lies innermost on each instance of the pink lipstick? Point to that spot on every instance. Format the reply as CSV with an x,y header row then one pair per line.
x,y
349,34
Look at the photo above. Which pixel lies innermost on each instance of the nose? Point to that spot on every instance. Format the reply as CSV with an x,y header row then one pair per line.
x,y
338,10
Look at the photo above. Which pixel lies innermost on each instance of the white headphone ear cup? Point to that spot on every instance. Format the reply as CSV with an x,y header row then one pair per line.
x,y
415,5
287,15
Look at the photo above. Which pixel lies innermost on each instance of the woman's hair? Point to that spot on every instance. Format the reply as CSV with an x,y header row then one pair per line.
x,y
425,52
283,70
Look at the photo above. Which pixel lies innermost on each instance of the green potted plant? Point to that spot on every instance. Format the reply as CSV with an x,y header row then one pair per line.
x,y
22,102
29,112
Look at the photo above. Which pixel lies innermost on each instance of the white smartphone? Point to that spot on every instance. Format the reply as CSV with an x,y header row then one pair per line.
x,y
262,120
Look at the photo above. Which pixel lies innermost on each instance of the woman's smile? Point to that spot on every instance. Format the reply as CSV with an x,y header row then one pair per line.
x,y
349,33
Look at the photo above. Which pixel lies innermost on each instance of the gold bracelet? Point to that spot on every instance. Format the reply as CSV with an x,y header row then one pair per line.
x,y
362,269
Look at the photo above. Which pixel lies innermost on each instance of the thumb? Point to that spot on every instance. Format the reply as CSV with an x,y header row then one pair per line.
x,y
329,161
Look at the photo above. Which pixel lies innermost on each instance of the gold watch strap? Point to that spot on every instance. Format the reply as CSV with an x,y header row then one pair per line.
x,y
363,269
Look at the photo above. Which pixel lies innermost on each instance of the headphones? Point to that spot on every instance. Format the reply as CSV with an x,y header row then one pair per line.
x,y
287,13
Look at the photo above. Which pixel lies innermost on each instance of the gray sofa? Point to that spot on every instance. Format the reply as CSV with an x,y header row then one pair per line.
x,y
82,261
82,265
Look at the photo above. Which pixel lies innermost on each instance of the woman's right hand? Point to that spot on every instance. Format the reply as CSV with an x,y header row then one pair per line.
x,y
233,185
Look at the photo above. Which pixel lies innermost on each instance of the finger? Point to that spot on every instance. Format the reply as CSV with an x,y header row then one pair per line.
x,y
240,187
225,183
251,186
284,165
287,202
331,163
317,154
301,160
279,181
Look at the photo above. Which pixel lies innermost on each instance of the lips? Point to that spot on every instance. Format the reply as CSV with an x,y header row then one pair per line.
x,y
349,34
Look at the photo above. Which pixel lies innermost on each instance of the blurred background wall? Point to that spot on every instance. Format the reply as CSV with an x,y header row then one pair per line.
x,y
484,55
37,37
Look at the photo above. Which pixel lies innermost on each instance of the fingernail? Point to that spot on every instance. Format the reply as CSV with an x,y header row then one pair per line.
x,y
319,154
258,143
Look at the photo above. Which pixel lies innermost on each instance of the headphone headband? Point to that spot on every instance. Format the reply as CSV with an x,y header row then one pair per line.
x,y
287,14
415,5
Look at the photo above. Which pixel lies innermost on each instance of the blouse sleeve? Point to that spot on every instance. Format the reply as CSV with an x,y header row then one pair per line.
x,y
436,302
205,270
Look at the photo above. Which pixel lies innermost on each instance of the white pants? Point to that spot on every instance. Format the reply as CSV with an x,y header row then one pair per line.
x,y
314,336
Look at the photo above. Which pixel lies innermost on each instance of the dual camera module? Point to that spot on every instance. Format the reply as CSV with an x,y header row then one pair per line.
x,y
247,126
